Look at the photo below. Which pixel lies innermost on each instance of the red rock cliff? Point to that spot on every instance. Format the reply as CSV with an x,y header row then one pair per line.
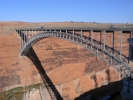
x,y
72,69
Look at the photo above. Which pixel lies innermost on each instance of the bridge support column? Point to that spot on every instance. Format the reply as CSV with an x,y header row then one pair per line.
x,y
66,35
63,35
17,33
35,32
120,49
69,37
38,31
21,39
32,33
112,47
54,33
81,34
104,42
57,34
91,39
77,39
100,38
104,39
60,33
73,35
49,34
26,36
113,39
120,44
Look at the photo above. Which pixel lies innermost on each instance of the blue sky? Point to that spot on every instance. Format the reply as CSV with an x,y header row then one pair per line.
x,y
106,11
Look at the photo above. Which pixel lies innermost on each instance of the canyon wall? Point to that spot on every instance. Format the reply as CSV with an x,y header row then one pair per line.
x,y
72,69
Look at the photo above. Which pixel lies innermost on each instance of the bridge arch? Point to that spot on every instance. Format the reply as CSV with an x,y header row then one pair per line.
x,y
92,45
29,43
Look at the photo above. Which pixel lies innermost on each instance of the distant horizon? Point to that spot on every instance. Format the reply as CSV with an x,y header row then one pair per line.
x,y
68,22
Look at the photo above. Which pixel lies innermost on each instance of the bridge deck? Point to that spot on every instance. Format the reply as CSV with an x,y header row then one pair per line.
x,y
76,28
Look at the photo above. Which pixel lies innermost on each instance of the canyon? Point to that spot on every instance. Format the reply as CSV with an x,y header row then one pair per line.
x,y
75,72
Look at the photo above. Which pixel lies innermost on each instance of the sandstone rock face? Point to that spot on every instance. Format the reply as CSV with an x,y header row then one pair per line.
x,y
72,69
75,87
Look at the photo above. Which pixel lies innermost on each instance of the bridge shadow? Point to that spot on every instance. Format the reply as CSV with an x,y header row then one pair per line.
x,y
46,80
112,90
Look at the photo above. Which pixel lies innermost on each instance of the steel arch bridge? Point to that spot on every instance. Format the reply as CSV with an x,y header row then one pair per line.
x,y
115,58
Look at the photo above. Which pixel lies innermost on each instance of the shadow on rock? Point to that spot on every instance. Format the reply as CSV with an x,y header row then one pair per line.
x,y
48,83
112,90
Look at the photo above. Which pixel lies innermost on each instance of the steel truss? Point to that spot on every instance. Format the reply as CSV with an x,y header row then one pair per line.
x,y
108,54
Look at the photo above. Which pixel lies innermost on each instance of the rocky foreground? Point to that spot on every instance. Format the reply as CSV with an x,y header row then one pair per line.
x,y
74,71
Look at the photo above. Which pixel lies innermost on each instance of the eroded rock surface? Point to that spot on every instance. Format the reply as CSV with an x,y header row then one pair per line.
x,y
72,69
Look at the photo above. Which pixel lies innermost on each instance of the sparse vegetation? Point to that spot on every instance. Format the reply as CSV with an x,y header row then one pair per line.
x,y
17,92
